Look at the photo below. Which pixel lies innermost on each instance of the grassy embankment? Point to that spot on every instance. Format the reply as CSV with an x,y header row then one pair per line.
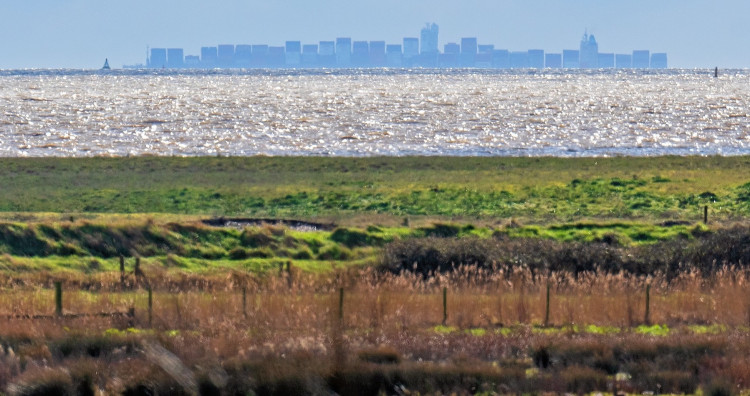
x,y
62,210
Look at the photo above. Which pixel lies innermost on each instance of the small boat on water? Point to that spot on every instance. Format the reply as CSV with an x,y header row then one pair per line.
x,y
106,64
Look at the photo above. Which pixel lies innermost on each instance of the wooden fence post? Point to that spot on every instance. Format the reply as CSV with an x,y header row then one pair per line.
x,y
647,319
341,304
58,298
150,306
122,270
244,301
705,214
546,311
445,305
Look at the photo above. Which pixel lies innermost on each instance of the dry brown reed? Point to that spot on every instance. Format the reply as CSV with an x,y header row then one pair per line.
x,y
294,326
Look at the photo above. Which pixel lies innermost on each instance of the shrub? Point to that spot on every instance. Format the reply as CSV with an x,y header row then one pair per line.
x,y
303,254
238,253
582,380
353,238
334,252
42,382
382,355
441,230
256,238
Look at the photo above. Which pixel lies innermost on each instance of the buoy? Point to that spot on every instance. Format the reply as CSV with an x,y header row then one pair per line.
x,y
716,72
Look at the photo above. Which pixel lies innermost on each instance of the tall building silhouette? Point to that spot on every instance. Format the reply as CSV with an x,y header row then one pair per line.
x,y
553,61
469,49
623,61
589,52
606,61
411,51
658,60
293,53
226,55
243,55
430,39
343,51
158,58
327,53
536,58
519,59
393,55
310,55
175,58
377,53
571,59
209,56
641,59
501,58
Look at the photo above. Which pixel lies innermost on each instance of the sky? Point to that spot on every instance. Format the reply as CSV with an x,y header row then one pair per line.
x,y
82,33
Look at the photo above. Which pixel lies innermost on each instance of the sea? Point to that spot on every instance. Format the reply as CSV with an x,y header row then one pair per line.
x,y
380,112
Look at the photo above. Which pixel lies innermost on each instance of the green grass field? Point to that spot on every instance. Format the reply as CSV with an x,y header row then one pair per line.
x,y
380,189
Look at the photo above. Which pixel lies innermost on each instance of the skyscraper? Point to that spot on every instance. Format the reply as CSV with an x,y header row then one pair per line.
x,y
377,53
658,60
641,59
411,51
293,53
209,56
158,58
226,55
428,55
449,57
623,61
469,49
175,58
343,52
243,55
501,59
589,54
606,61
430,39
360,53
553,61
393,55
519,59
327,53
536,59
571,59
260,55
310,55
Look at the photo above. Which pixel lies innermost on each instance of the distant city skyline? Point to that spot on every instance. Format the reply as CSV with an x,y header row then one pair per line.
x,y
81,33
411,52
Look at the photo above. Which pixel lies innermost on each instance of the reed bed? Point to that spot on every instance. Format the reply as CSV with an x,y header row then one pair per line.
x,y
292,333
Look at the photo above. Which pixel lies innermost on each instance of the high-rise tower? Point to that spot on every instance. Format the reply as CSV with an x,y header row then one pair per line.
x,y
430,39
589,52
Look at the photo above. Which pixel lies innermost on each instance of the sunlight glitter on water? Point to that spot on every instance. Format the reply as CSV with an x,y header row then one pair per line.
x,y
380,112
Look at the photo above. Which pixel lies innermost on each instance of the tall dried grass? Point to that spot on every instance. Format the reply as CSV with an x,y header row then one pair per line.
x,y
287,335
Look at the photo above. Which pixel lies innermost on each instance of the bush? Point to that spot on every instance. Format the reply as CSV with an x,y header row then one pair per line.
x,y
334,252
256,238
43,382
708,253
440,230
238,253
582,380
303,254
382,355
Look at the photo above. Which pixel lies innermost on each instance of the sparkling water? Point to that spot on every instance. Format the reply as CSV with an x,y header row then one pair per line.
x,y
70,113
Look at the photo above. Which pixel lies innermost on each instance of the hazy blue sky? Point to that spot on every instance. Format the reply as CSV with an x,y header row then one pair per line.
x,y
81,33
